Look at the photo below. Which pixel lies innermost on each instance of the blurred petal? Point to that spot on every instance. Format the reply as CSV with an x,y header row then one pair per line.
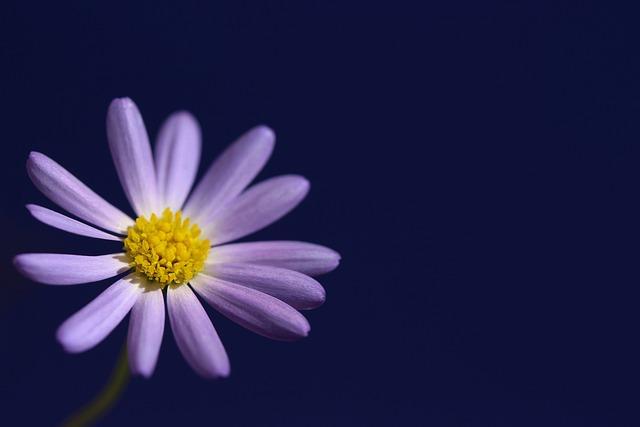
x,y
296,289
256,208
131,152
146,326
62,222
232,171
195,335
177,156
256,311
64,269
69,193
95,321
307,258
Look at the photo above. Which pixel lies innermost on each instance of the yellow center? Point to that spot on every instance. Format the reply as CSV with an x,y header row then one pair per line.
x,y
167,249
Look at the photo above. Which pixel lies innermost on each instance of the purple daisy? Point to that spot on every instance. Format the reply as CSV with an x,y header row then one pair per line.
x,y
179,242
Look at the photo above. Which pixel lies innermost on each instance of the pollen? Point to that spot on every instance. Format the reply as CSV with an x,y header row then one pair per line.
x,y
168,249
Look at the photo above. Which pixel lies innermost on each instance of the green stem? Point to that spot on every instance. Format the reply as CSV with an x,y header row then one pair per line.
x,y
94,410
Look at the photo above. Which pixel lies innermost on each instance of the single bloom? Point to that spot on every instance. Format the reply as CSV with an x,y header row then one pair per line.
x,y
179,243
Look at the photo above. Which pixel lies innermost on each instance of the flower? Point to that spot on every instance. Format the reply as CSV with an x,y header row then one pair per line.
x,y
179,244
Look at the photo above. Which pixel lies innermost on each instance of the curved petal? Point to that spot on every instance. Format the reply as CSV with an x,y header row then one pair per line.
x,y
232,171
195,335
177,156
68,192
256,208
131,152
307,258
296,289
63,222
254,310
95,321
64,269
146,326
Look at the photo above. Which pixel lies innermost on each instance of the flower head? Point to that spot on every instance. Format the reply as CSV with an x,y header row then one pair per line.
x,y
179,243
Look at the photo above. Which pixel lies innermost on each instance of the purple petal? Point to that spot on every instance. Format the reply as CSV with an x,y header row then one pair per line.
x,y
63,269
232,171
63,222
307,258
131,152
256,311
195,335
95,321
296,289
146,326
177,156
69,193
256,208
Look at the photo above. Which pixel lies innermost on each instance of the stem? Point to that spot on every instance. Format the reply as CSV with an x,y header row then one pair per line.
x,y
94,410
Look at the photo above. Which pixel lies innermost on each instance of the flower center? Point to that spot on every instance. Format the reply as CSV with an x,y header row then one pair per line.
x,y
167,249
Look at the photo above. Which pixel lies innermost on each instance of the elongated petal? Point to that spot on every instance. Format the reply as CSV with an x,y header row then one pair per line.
x,y
146,327
177,156
256,311
131,152
68,192
195,335
64,269
256,208
307,258
296,289
231,173
95,321
63,222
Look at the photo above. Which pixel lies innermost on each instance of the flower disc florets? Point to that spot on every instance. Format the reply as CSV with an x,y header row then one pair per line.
x,y
167,249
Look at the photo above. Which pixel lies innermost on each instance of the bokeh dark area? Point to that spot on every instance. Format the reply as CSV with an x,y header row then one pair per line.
x,y
475,163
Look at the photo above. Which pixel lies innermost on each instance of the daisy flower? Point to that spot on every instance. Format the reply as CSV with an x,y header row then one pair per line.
x,y
179,243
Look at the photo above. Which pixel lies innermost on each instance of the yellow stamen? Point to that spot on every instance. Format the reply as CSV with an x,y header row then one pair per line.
x,y
168,250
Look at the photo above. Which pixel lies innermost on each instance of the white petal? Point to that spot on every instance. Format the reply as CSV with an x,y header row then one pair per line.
x,y
95,321
256,208
254,310
195,335
296,289
131,152
307,258
69,193
64,269
63,222
232,171
146,326
177,156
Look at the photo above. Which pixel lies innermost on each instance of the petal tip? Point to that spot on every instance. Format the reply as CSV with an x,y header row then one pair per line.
x,y
21,264
306,184
121,107
17,262
145,373
266,132
67,345
302,184
124,102
224,373
35,157
320,296
305,329
214,374
184,115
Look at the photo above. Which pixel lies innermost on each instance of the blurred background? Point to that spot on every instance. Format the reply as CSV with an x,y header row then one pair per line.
x,y
475,163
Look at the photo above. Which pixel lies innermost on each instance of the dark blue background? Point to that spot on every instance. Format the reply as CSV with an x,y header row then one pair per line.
x,y
475,163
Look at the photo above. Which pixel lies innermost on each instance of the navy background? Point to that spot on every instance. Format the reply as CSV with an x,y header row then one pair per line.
x,y
475,163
